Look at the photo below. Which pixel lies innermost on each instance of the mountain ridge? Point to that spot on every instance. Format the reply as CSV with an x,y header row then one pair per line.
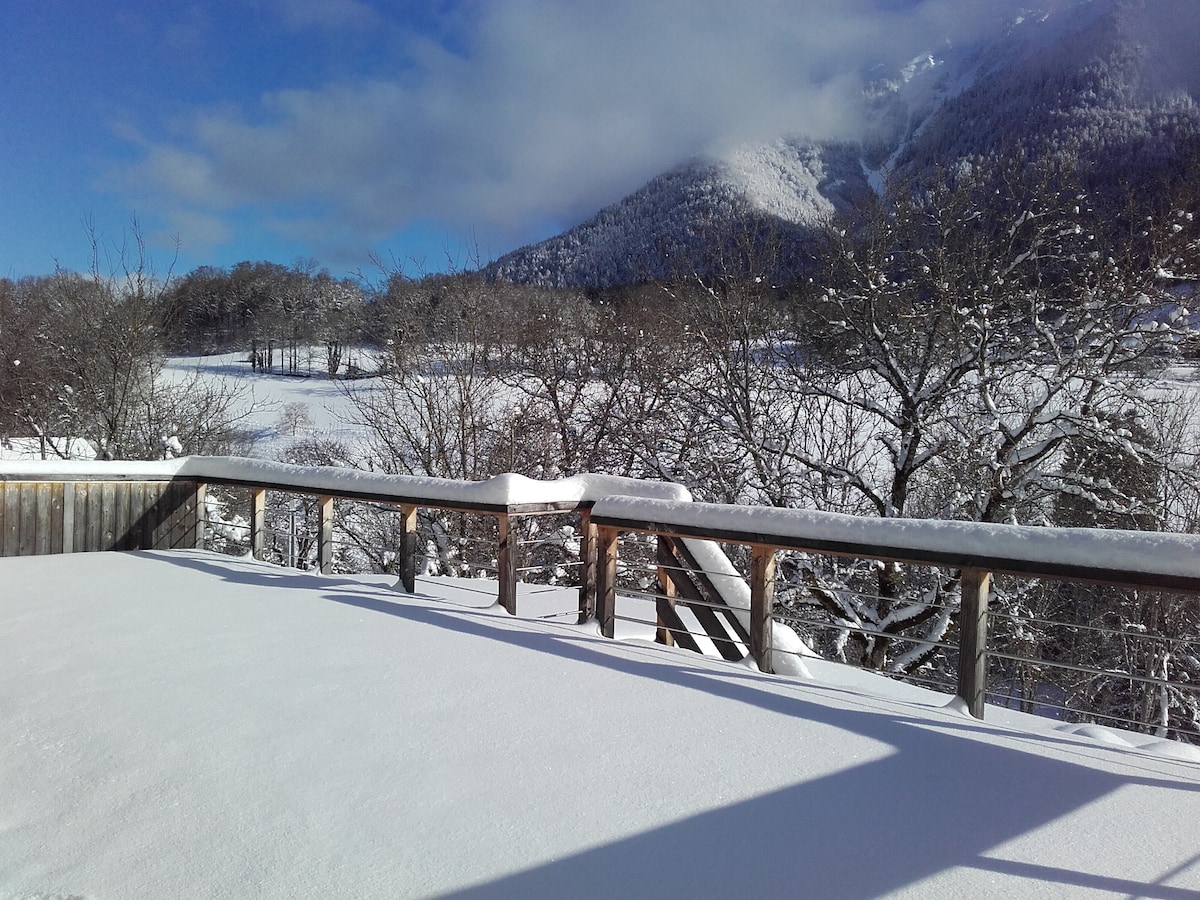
x,y
1105,80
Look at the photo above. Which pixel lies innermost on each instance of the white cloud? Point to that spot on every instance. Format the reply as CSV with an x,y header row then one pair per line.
x,y
538,110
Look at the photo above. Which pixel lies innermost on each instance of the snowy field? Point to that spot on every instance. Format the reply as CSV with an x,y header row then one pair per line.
x,y
189,725
330,409
265,395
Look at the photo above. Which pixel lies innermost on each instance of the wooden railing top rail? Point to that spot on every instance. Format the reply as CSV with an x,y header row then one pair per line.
x,y
1135,559
508,493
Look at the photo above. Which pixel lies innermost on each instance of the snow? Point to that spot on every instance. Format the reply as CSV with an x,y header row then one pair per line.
x,y
504,490
184,724
26,448
1133,551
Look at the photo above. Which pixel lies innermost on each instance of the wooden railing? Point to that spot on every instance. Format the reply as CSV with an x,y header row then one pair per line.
x,y
1139,560
65,507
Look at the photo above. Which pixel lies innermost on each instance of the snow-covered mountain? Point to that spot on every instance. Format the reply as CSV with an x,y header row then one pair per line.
x,y
1116,81
657,230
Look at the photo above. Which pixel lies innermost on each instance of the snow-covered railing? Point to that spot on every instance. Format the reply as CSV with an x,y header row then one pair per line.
x,y
504,497
55,506
1130,559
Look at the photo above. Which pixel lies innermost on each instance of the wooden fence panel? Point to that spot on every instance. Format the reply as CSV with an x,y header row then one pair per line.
x,y
65,517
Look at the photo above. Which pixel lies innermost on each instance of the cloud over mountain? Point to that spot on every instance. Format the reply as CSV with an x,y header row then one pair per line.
x,y
519,117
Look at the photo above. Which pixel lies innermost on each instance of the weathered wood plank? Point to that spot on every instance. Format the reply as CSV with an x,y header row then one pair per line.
x,y
120,516
160,516
10,519
109,513
87,524
58,513
28,512
135,529
68,517
42,519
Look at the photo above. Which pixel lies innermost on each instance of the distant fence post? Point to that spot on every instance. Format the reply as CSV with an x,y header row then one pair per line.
x,y
258,518
972,640
408,548
606,579
506,562
325,536
762,605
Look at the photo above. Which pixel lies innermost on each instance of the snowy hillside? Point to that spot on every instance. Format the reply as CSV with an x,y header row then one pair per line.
x,y
1115,82
183,724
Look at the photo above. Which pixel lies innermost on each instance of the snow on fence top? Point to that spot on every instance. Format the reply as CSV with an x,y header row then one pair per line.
x,y
1142,559
500,492
1136,558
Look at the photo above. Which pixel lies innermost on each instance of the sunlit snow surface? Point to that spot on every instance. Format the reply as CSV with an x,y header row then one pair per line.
x,y
184,724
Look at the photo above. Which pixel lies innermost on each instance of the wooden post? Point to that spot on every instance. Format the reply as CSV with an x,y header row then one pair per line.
x,y
408,548
325,536
201,514
762,605
587,565
666,586
606,579
972,640
258,518
506,563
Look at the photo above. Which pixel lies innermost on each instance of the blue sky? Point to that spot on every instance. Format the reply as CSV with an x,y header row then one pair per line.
x,y
420,132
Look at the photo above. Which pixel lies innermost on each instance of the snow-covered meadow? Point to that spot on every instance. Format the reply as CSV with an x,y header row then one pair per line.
x,y
263,398
184,724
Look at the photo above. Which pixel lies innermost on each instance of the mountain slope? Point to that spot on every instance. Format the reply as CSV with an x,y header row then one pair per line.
x,y
1113,82
658,229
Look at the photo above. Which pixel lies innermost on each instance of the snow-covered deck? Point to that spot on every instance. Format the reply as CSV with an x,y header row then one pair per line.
x,y
184,724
